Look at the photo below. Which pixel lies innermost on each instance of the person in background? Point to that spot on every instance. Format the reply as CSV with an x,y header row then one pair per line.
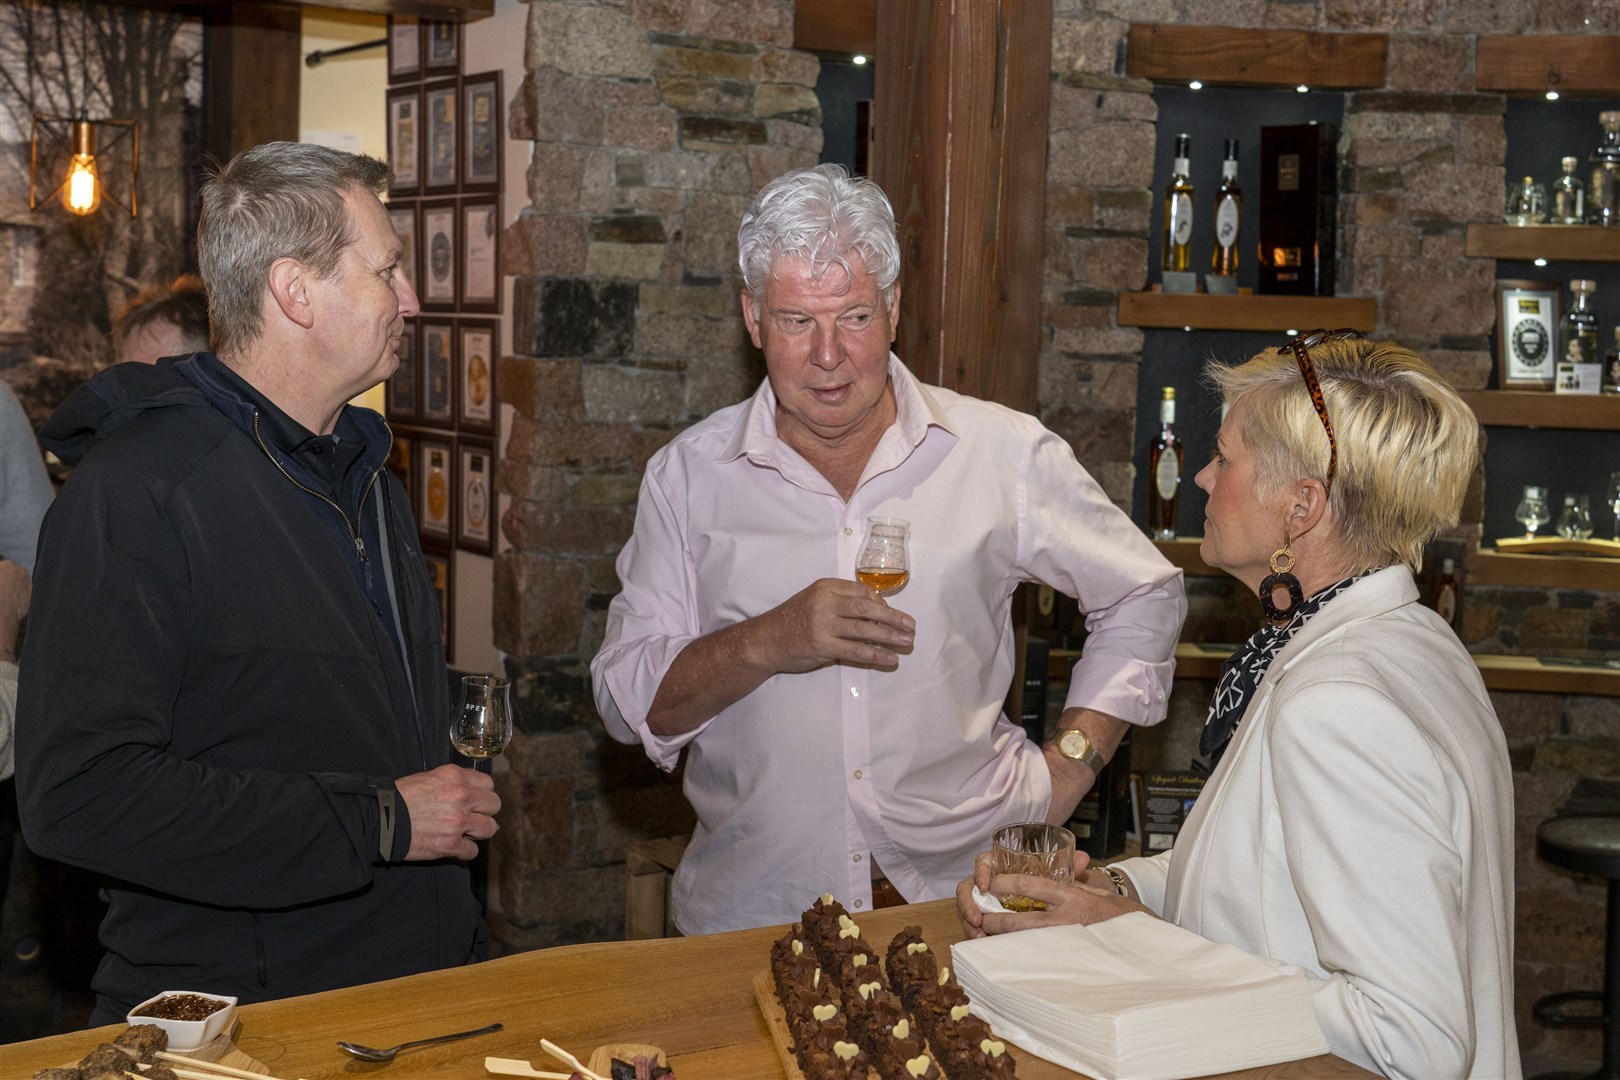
x,y
233,699
836,743
1357,829
25,489
169,320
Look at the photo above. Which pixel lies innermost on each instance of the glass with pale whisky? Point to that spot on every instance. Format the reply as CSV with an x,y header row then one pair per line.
x,y
884,565
1034,848
483,726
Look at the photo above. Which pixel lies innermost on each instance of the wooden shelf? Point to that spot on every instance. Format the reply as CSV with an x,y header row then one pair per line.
x,y
1580,65
1556,243
1183,554
1246,311
1238,56
1544,409
1543,571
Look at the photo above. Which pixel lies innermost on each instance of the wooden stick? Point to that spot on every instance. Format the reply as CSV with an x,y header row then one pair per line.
x,y
192,1074
218,1069
519,1067
569,1059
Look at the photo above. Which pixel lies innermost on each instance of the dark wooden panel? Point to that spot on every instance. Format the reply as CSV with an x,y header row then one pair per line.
x,y
1232,56
1246,311
1565,243
836,26
1581,64
961,121
251,66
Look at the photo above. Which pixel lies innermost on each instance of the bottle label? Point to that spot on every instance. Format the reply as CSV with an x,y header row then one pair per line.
x,y
1446,603
1226,223
1167,411
1168,475
1181,217
1228,169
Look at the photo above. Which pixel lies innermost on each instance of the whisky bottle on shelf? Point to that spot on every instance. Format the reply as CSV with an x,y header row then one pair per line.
x,y
1603,194
1164,472
1178,213
1228,214
1569,196
1578,335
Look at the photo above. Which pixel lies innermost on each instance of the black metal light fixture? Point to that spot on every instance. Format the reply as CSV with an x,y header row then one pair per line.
x,y
83,185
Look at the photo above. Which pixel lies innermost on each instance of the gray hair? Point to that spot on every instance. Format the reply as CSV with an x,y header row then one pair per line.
x,y
821,214
278,200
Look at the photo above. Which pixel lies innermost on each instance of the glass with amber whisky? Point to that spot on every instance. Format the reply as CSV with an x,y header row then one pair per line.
x,y
884,565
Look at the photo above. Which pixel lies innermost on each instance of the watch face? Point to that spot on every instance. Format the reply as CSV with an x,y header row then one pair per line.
x,y
1074,744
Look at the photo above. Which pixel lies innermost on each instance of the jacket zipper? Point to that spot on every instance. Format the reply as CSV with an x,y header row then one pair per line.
x,y
354,532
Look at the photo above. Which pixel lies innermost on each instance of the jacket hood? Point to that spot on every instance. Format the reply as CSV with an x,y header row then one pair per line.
x,y
111,399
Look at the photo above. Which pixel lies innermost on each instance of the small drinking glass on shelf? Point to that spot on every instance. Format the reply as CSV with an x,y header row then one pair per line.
x,y
884,565
483,725
1614,501
1526,203
1532,510
1575,523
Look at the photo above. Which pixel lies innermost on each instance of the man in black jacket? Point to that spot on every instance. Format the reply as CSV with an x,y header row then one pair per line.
x,y
233,698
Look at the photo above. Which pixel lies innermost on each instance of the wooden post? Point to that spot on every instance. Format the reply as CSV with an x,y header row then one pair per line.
x,y
961,126
251,72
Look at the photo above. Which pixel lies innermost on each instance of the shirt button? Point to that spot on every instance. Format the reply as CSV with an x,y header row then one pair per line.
x,y
848,531
853,692
857,858
857,776
857,903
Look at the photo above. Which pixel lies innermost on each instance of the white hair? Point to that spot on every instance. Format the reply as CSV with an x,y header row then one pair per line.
x,y
820,214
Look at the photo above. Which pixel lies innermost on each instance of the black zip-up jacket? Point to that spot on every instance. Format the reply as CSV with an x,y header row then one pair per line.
x,y
210,700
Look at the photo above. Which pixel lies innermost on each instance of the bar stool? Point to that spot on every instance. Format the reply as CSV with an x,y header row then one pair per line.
x,y
1589,844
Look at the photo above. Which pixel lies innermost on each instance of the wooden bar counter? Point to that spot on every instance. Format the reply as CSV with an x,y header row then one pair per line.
x,y
691,996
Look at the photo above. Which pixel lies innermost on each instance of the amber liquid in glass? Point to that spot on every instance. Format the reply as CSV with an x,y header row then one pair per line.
x,y
882,579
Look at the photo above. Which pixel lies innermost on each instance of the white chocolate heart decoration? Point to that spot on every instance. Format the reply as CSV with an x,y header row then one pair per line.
x,y
868,989
850,931
824,1012
916,947
798,947
918,1066
944,973
993,1047
858,960
815,980
902,1030
958,1011
846,1050
826,898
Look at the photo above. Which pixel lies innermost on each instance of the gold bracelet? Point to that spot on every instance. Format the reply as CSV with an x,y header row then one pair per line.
x,y
1118,879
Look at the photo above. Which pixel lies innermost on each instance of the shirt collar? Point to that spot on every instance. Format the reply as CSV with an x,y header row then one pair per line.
x,y
916,410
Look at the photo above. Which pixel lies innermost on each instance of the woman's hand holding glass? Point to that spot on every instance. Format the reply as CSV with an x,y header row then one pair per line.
x,y
1089,898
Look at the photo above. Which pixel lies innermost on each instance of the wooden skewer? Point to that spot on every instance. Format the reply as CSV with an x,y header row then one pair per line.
x,y
190,1064
519,1067
569,1059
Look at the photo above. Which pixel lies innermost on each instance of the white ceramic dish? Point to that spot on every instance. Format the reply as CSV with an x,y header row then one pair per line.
x,y
186,1035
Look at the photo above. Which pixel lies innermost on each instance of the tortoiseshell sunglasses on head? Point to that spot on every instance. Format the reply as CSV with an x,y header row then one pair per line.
x,y
1301,347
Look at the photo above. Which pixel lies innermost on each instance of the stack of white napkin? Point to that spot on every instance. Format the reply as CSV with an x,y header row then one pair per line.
x,y
1137,997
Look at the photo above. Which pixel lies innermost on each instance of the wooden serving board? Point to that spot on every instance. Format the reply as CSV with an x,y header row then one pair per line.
x,y
222,1050
776,1023
1558,545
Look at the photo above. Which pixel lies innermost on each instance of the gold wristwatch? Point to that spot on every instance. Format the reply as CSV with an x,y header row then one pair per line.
x,y
1075,745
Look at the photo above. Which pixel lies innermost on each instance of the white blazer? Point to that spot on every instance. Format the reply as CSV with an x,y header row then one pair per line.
x,y
1359,832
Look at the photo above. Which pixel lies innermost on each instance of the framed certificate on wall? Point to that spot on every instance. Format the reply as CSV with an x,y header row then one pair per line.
x,y
482,132
404,48
436,485
440,107
403,215
402,394
476,400
405,140
438,256
475,529
441,47
480,269
1527,333
438,408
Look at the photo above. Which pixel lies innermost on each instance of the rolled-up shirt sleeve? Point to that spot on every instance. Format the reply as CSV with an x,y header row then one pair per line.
x,y
649,623
1074,539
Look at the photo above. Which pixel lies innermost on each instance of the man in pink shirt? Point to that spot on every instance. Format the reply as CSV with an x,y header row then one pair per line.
x,y
839,743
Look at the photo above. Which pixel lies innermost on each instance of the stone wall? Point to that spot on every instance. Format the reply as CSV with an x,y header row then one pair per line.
x,y
653,122
1420,158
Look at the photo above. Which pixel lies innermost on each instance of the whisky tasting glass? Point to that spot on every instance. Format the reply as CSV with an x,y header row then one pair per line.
x,y
1034,848
483,725
1575,523
1526,203
1614,501
884,564
1532,510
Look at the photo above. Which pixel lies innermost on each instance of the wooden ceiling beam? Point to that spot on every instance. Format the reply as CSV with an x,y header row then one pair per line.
x,y
835,26
1239,56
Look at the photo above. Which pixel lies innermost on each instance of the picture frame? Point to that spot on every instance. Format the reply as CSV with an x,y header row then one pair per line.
x,y
477,406
1527,314
402,461
441,577
436,466
405,218
405,140
483,133
479,270
438,256
402,393
441,104
438,380
404,48
441,47
477,519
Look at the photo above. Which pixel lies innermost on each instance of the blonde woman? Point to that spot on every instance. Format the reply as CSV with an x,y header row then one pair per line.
x,y
1357,828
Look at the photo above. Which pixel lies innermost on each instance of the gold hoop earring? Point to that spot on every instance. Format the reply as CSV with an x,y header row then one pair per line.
x,y
1281,577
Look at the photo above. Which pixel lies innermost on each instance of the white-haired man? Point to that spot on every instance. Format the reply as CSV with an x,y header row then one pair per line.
x,y
233,698
838,743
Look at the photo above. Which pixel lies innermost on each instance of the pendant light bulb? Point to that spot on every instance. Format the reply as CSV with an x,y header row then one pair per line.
x,y
81,193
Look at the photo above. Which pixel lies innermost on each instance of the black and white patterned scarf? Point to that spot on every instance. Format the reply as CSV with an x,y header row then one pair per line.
x,y
1243,670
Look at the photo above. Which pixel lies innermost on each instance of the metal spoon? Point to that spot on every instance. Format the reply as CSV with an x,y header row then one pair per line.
x,y
366,1053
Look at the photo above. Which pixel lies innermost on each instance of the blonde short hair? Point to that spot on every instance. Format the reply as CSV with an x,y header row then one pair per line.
x,y
1408,443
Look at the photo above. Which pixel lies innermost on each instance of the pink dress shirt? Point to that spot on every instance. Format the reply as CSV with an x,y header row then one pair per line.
x,y
798,786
